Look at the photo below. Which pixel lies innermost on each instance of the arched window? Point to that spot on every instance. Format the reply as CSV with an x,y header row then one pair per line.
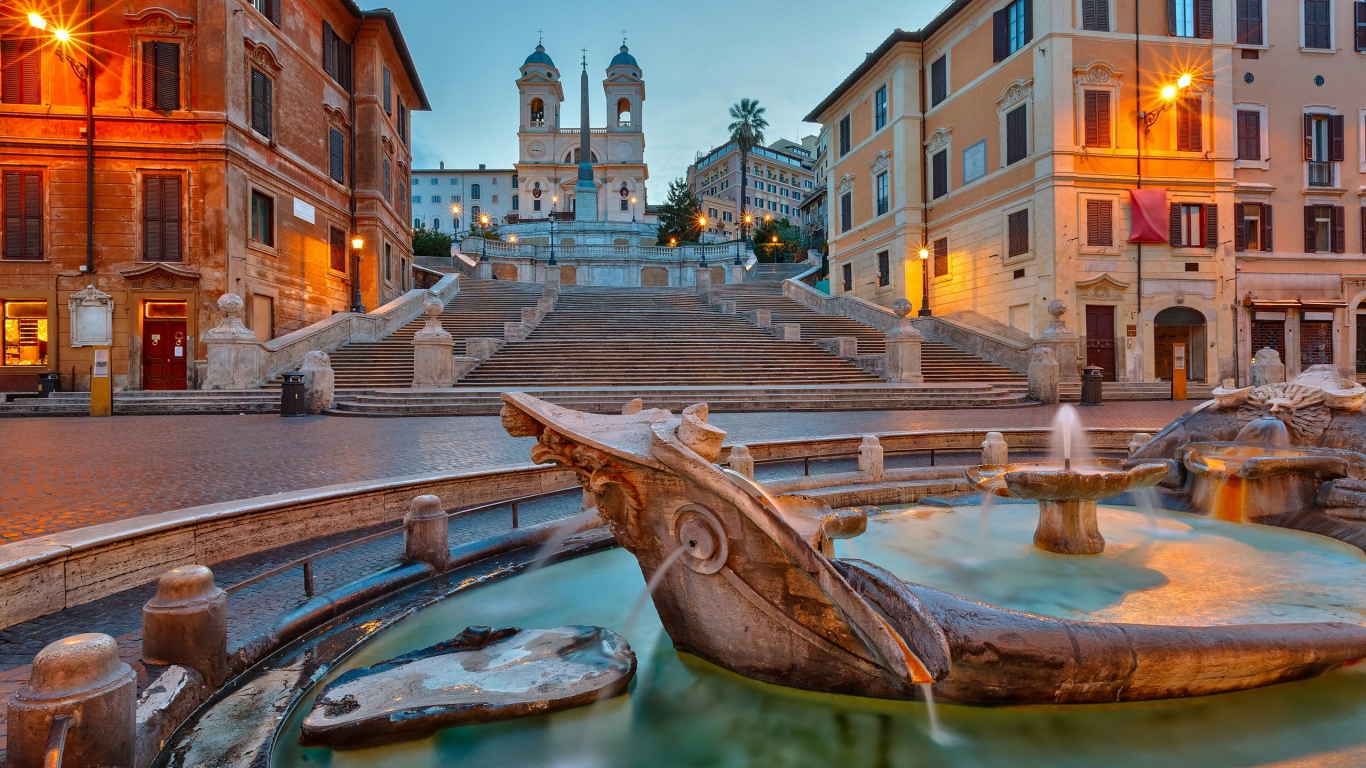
x,y
574,155
474,191
537,112
623,112
436,224
417,223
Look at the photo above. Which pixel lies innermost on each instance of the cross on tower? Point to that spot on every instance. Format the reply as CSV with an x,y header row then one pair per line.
x,y
623,36
540,36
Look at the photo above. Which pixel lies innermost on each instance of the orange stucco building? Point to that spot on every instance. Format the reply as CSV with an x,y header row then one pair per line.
x,y
1007,138
238,147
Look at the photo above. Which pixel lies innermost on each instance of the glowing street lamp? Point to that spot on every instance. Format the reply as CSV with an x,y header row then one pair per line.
x,y
1169,94
357,304
924,281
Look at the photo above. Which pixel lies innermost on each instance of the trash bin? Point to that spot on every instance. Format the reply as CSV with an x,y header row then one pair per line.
x,y
1092,386
47,383
292,399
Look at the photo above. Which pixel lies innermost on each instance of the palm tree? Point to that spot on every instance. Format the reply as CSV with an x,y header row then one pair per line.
x,y
747,131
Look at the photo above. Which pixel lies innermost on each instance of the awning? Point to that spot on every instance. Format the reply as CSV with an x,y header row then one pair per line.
x,y
1151,216
1266,289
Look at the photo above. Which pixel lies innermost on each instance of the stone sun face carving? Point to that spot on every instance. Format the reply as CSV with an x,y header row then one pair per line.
x,y
1300,407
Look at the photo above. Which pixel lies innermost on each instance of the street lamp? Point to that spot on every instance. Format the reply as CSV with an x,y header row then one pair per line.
x,y
86,73
925,282
483,237
357,243
745,220
633,209
702,227
1169,94
553,200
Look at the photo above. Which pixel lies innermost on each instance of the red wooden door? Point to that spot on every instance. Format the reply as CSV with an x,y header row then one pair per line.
x,y
163,354
1100,339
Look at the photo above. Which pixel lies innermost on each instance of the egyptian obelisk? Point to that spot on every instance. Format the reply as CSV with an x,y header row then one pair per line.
x,y
585,191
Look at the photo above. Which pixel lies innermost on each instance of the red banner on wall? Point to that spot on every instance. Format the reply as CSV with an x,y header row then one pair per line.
x,y
1151,218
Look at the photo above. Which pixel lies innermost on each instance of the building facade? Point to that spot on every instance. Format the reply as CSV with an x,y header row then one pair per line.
x,y
233,153
1129,160
439,192
780,177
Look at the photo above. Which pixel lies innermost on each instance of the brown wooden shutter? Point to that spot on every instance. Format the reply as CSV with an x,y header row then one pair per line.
x,y
33,215
168,76
170,218
388,178
1240,226
1242,23
273,6
1337,145
1175,233
30,64
1308,137
344,64
1310,230
14,215
388,92
260,102
1361,26
1000,35
1089,109
1088,14
149,75
1211,226
1093,222
337,249
1266,227
21,67
336,147
152,201
1171,17
9,64
1339,229
1204,18
1107,226
329,51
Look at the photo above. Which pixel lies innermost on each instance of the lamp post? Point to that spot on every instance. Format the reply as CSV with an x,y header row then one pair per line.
x,y
483,237
745,219
553,200
925,282
86,73
702,227
357,305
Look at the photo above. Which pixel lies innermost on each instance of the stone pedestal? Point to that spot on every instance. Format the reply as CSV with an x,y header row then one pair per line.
x,y
546,305
433,350
761,317
702,279
1267,368
995,452
425,532
186,623
1043,376
741,461
870,457
483,270
1062,341
840,346
788,331
482,348
1068,527
531,315
320,381
727,306
737,274
902,360
515,331
236,360
82,678
552,278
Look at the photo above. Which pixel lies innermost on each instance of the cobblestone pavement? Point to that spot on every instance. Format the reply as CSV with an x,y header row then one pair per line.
x,y
73,472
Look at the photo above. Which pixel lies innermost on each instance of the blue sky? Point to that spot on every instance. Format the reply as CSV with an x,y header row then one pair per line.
x,y
698,58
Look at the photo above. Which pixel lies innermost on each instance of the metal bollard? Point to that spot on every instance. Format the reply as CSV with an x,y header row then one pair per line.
x,y
426,532
293,396
186,623
82,679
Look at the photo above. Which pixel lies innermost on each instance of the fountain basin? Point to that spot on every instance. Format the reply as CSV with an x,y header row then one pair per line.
x,y
1067,496
1245,482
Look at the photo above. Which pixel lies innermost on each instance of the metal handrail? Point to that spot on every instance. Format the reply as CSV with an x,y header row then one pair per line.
x,y
806,460
56,741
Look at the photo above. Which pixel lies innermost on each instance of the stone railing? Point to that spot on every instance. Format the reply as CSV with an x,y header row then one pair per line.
x,y
865,312
238,361
475,248
1002,350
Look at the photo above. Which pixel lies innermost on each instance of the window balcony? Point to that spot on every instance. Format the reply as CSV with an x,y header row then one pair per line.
x,y
1320,174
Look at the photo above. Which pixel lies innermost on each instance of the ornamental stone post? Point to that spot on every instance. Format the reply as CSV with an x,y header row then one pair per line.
x,y
1063,342
1267,368
995,452
552,279
320,381
737,274
236,360
870,457
1043,376
426,531
186,623
433,350
741,461
703,280
902,360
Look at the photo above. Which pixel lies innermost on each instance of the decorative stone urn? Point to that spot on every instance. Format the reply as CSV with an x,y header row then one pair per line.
x,y
904,348
433,350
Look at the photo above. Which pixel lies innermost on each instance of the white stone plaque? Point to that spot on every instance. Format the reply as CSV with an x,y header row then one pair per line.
x,y
303,210
975,161
92,318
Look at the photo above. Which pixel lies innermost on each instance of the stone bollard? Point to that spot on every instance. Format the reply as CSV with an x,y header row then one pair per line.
x,y
545,305
1267,368
703,280
762,317
433,350
186,623
531,315
901,362
995,452
870,457
741,461
80,677
1043,377
483,271
840,346
425,530
320,382
515,331
727,306
552,279
635,406
1139,440
737,274
788,331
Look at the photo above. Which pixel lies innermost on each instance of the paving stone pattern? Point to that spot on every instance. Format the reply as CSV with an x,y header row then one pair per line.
x,y
74,472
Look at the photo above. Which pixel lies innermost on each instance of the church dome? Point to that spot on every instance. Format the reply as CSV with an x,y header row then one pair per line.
x,y
539,56
624,58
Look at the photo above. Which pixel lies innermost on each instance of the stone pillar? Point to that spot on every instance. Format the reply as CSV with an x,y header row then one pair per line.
x,y
483,270
761,317
545,305
870,457
840,346
552,279
515,331
727,306
788,331
80,677
236,358
902,360
995,452
1062,341
1043,376
737,274
531,316
186,623
320,381
1139,440
482,348
741,461
425,530
1267,368
702,280
433,350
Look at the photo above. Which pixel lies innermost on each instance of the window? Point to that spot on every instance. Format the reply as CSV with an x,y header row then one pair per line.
x,y
1190,18
336,248
1012,28
940,168
1017,226
268,8
262,218
436,222
474,191
625,206
1318,24
517,203
725,216
1360,18
773,189
845,139
417,223
434,182
883,201
388,179
1249,135
403,121
25,332
1017,135
336,56
23,193
514,182
1095,15
388,263
1253,227
1100,228
1249,23
417,198
939,81
20,64
880,109
1189,125
535,205
260,102
436,198
1325,229
1097,115
1194,225
846,212
941,257
160,75
884,269
161,238
388,92
1324,145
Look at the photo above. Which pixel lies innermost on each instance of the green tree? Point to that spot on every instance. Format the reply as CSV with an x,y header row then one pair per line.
x,y
487,231
431,242
747,132
680,215
776,240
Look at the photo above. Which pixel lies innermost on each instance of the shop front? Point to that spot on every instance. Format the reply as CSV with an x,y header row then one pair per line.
x,y
26,337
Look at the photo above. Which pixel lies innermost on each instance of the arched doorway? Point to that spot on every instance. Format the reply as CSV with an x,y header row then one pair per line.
x,y
1179,325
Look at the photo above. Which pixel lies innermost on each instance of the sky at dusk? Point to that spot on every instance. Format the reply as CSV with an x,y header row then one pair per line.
x,y
697,57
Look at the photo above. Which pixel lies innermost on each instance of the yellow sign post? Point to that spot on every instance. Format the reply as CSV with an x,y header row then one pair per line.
x,y
101,385
1178,371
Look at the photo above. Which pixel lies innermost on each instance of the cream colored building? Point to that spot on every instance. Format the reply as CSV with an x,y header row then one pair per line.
x,y
1007,138
780,177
